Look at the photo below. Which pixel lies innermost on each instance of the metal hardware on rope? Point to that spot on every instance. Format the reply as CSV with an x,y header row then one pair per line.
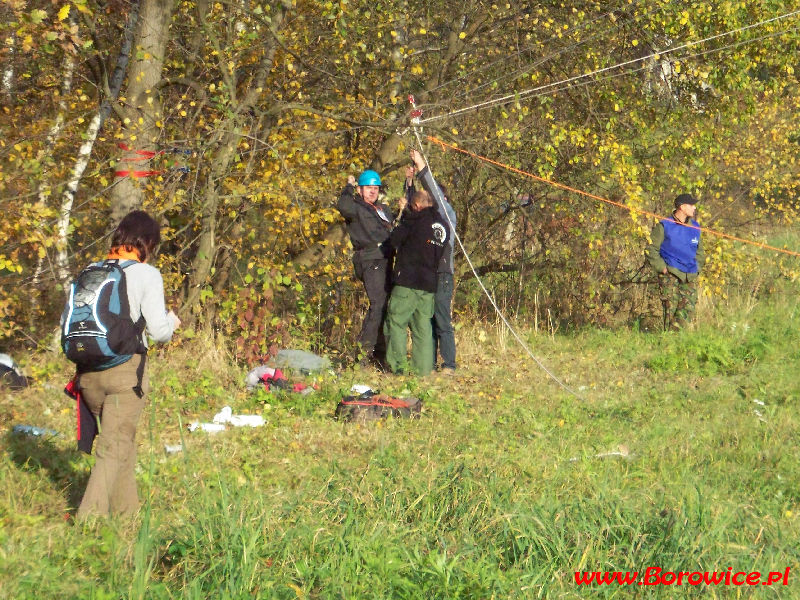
x,y
416,113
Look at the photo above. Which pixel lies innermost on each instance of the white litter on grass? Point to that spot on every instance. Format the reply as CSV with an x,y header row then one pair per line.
x,y
34,431
173,448
7,361
207,427
757,412
226,416
360,389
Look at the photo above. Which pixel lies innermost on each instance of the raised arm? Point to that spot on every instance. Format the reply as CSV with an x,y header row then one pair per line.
x,y
347,199
429,183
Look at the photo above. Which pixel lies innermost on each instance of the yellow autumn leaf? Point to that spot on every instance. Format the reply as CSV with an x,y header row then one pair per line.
x,y
297,590
81,6
63,13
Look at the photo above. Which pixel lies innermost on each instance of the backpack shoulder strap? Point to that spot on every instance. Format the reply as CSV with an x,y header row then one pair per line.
x,y
116,263
140,324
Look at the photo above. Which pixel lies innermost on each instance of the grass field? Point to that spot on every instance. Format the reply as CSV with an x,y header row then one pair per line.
x,y
676,451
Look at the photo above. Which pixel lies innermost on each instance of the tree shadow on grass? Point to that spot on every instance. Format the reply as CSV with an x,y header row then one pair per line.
x,y
43,453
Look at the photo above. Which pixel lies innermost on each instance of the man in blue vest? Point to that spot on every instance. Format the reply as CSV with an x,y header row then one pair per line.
x,y
676,254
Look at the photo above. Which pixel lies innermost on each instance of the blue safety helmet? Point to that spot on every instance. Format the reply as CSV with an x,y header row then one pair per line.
x,y
369,177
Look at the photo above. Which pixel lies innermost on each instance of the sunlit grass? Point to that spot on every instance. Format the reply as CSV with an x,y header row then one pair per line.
x,y
676,451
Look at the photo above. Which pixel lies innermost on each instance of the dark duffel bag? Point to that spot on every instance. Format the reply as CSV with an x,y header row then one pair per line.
x,y
13,379
377,406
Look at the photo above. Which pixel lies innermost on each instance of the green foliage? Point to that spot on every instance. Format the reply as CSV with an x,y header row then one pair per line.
x,y
192,389
672,455
708,352
279,103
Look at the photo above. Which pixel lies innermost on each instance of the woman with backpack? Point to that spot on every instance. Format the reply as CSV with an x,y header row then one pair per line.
x,y
114,388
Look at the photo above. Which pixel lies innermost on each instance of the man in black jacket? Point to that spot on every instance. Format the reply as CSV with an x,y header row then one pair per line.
x,y
369,223
419,240
443,334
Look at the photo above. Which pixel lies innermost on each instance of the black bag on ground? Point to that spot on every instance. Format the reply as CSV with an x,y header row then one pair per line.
x,y
12,380
10,375
377,406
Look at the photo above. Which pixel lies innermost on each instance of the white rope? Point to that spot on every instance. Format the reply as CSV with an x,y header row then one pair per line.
x,y
529,50
519,95
440,201
684,57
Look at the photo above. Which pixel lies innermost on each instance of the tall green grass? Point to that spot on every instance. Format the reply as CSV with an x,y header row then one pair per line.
x,y
677,451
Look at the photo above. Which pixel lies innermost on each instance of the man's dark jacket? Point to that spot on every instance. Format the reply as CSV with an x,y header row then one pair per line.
x,y
420,240
368,231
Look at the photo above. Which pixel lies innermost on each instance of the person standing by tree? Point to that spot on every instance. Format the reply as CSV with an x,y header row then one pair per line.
x,y
116,395
369,223
676,254
444,340
419,240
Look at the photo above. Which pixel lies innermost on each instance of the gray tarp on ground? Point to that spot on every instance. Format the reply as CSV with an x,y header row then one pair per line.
x,y
307,362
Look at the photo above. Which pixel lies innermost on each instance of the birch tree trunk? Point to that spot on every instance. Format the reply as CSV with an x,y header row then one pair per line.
x,y
68,197
85,151
52,136
7,79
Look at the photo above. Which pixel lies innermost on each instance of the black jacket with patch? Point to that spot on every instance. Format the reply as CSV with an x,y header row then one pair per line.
x,y
420,240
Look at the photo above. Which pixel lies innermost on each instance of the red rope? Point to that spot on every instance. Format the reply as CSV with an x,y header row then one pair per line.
x,y
378,401
144,154
445,146
136,173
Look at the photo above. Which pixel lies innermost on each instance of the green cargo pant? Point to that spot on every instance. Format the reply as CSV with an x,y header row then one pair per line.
x,y
679,299
109,395
414,308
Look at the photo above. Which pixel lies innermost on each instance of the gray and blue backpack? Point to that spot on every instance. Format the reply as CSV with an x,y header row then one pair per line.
x,y
98,332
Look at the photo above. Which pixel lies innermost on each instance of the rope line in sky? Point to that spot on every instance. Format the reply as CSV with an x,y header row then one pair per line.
x,y
445,146
519,95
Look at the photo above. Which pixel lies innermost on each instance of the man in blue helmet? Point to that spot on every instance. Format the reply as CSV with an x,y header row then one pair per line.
x,y
369,223
676,254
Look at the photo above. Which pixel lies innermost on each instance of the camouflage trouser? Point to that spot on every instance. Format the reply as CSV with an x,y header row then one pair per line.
x,y
678,298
